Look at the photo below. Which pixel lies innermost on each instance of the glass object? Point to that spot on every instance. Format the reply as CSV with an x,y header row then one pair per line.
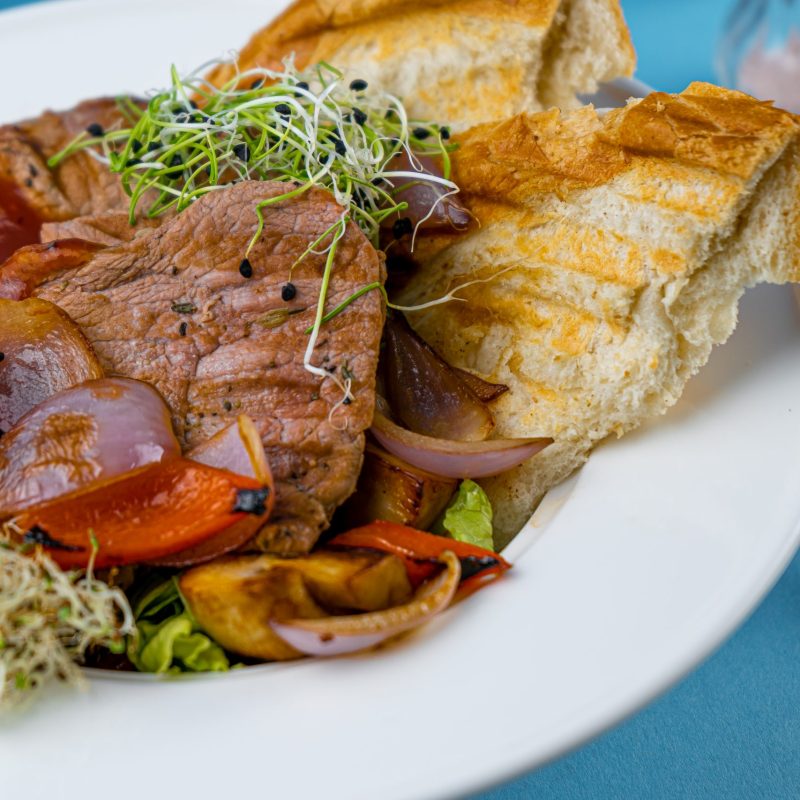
x,y
759,52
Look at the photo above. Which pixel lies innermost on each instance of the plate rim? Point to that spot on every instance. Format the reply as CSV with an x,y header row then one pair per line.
x,y
516,763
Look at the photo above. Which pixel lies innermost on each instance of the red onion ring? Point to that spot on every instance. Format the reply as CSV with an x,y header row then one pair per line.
x,y
340,635
452,459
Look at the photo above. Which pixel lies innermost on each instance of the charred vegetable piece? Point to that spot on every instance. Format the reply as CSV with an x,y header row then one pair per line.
x,y
143,515
235,600
485,391
29,266
239,449
335,636
422,550
44,352
389,488
425,394
90,432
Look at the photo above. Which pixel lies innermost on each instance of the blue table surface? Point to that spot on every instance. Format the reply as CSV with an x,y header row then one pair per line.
x,y
731,729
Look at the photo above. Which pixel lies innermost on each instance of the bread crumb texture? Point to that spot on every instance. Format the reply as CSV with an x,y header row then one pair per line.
x,y
624,243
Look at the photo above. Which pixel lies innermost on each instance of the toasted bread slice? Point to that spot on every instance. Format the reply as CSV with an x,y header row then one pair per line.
x,y
460,63
621,248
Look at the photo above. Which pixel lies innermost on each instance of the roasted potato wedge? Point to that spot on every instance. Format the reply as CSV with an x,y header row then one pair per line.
x,y
234,600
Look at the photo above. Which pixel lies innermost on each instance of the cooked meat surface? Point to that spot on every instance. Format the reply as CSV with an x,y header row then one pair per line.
x,y
80,185
172,308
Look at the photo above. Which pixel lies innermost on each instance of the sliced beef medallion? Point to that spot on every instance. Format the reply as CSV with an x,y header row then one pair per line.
x,y
31,193
176,307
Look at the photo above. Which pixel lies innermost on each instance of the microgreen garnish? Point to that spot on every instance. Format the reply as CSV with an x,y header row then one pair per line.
x,y
307,129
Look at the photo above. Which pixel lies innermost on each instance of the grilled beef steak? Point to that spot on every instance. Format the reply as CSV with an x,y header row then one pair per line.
x,y
174,307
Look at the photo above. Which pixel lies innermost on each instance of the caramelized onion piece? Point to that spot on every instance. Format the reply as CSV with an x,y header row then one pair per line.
x,y
454,459
390,489
339,635
425,394
238,449
44,352
90,432
29,266
422,196
486,392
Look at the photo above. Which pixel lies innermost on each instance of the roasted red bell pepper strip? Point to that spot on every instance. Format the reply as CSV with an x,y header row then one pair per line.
x,y
421,550
143,515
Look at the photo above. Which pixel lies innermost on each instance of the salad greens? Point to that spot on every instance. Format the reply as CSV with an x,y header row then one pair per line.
x,y
168,638
468,518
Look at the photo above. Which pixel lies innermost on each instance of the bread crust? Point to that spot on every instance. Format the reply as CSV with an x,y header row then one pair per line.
x,y
455,62
616,250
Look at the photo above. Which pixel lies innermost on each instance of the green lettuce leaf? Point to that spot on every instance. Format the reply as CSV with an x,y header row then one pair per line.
x,y
168,638
468,518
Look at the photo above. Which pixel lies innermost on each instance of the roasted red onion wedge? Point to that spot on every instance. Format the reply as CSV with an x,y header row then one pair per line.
x,y
339,635
454,459
432,204
238,449
425,394
44,352
485,392
93,431
29,266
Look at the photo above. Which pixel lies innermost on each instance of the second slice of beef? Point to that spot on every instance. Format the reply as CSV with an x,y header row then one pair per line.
x,y
174,307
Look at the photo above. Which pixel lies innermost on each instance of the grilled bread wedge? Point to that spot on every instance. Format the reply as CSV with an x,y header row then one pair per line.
x,y
620,247
461,63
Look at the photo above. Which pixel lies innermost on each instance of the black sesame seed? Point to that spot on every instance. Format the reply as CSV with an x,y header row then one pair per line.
x,y
153,146
182,328
132,162
340,147
242,152
421,133
303,85
444,133
246,268
33,171
358,85
176,161
402,227
193,104
95,129
284,110
136,145
347,401
257,83
288,292
227,405
2,356
390,114
359,116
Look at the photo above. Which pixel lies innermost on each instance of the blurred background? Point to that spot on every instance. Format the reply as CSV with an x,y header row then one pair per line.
x,y
732,729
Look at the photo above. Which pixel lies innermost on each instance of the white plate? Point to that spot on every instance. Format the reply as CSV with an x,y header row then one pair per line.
x,y
629,576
